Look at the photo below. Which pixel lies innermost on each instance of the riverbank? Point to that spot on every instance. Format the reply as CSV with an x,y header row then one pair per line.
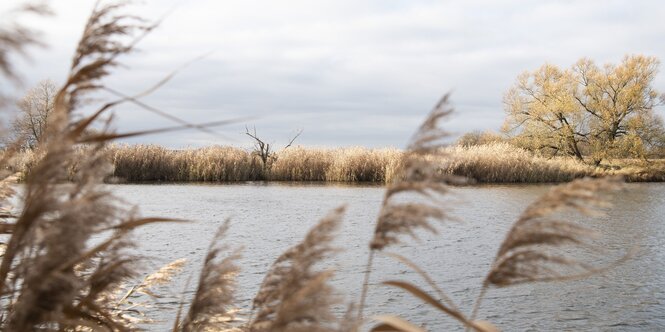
x,y
490,163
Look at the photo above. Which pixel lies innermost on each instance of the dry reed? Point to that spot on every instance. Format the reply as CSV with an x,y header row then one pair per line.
x,y
15,38
492,163
140,163
294,294
213,307
50,275
153,163
528,254
505,163
419,176
531,250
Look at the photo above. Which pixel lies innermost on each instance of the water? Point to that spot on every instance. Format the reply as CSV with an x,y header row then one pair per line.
x,y
269,218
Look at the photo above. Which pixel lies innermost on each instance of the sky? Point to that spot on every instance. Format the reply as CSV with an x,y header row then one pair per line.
x,y
346,73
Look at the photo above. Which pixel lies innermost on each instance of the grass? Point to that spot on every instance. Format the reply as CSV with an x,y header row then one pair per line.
x,y
153,163
504,163
68,258
490,163
353,164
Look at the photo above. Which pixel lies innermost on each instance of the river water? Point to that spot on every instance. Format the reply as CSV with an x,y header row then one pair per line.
x,y
269,218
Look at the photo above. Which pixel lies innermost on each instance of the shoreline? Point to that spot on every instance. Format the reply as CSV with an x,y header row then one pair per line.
x,y
495,163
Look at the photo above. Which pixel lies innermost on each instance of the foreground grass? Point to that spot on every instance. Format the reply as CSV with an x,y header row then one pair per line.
x,y
489,163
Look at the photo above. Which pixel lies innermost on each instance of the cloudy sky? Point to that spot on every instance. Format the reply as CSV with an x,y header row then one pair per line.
x,y
346,72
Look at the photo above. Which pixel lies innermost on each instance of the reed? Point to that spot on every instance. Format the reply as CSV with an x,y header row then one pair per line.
x,y
505,163
51,275
536,249
139,163
490,163
295,295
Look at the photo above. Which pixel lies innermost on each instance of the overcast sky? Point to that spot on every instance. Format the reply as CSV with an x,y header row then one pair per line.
x,y
346,72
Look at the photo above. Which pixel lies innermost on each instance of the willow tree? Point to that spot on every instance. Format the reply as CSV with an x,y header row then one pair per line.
x,y
619,99
589,110
543,111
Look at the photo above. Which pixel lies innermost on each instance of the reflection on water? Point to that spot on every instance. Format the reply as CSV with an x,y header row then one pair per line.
x,y
268,218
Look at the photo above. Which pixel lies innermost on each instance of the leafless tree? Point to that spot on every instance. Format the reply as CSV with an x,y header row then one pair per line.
x,y
264,150
34,110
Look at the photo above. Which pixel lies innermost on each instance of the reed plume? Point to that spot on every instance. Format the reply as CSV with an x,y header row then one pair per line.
x,y
123,300
15,37
421,176
443,304
531,252
294,295
213,307
162,276
52,278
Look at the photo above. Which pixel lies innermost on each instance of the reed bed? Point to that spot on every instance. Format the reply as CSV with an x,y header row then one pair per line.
x,y
355,164
490,163
139,163
505,163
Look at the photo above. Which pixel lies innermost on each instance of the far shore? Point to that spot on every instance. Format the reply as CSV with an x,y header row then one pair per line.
x,y
488,163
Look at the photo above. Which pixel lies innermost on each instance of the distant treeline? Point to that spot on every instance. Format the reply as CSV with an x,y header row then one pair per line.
x,y
489,162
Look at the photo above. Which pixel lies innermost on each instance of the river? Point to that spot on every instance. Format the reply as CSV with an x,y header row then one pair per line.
x,y
269,218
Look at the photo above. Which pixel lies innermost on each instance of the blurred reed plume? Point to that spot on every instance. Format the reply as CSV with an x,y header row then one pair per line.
x,y
52,277
15,37
294,295
418,176
213,307
531,250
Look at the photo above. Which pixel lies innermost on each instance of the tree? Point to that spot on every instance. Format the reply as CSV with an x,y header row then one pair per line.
x,y
264,150
542,105
614,97
34,110
587,110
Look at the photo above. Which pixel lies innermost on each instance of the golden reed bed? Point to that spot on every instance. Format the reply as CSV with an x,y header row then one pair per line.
x,y
488,163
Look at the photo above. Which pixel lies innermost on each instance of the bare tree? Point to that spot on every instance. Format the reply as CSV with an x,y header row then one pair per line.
x,y
264,150
34,110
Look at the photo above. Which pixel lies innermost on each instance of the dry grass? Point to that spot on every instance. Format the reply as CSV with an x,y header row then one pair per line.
x,y
48,283
531,252
353,164
227,164
140,163
213,306
505,163
492,163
